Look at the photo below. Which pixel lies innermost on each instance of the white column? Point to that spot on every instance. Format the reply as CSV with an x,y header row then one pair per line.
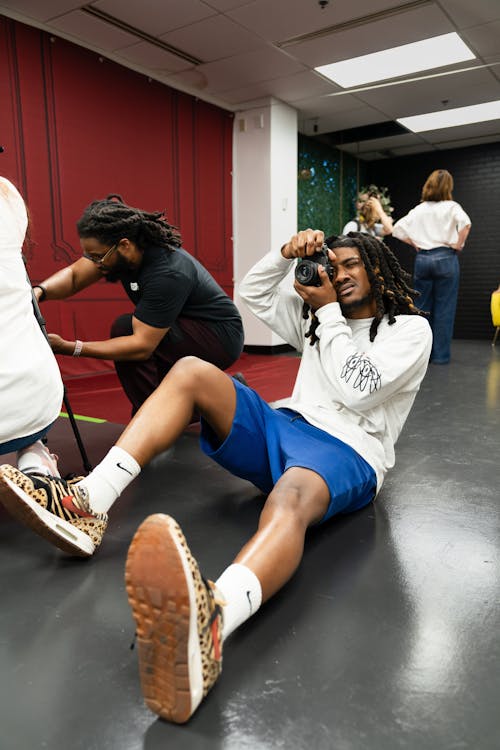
x,y
265,167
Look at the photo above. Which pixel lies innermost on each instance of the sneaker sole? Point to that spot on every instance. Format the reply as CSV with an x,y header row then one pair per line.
x,y
56,530
163,599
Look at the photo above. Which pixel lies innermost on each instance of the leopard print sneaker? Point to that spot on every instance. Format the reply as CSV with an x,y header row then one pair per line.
x,y
54,508
178,620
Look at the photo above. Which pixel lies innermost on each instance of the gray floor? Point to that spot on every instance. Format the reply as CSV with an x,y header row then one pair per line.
x,y
388,636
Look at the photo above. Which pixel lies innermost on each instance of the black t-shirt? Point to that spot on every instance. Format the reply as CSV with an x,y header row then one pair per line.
x,y
169,285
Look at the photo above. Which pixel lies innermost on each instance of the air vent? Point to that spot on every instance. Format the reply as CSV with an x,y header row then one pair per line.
x,y
118,24
355,23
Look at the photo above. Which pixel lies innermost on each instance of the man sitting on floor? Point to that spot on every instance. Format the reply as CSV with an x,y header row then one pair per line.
x,y
365,352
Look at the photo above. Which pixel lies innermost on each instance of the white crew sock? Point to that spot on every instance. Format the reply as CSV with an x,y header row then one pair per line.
x,y
37,459
107,481
242,593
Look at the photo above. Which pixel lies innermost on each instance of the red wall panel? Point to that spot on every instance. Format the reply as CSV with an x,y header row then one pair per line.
x,y
76,127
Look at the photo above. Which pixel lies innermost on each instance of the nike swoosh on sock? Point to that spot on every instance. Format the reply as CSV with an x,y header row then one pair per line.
x,y
123,468
250,601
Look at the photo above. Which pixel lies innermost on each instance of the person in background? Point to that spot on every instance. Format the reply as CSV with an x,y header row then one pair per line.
x,y
437,229
365,349
179,308
373,213
31,389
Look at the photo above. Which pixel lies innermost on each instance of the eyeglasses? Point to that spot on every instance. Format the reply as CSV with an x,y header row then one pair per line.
x,y
100,260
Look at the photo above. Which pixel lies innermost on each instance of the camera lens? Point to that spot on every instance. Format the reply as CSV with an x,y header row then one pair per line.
x,y
306,273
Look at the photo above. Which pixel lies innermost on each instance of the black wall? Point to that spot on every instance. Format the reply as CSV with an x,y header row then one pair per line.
x,y
476,173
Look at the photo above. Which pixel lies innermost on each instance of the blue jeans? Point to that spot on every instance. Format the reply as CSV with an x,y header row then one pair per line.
x,y
436,277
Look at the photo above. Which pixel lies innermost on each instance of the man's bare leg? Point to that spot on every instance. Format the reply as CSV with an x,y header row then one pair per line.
x,y
299,499
191,384
270,558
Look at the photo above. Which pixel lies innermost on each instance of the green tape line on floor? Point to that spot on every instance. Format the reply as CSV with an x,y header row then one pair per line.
x,y
83,419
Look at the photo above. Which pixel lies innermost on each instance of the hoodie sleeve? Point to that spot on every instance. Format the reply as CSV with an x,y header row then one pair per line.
x,y
269,294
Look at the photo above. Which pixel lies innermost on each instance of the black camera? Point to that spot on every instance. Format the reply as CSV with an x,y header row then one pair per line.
x,y
306,270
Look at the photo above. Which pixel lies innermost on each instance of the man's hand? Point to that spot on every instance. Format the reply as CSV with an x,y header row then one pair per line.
x,y
59,345
37,293
307,242
318,296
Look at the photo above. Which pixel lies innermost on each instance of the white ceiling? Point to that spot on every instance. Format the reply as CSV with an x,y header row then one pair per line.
x,y
238,53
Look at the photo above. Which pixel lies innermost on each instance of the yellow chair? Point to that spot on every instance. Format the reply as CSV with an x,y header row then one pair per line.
x,y
495,313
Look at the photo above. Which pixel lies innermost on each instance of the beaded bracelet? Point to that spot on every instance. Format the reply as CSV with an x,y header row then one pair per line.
x,y
78,348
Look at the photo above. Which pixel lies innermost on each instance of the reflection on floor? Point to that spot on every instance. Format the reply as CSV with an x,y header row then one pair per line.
x,y
387,637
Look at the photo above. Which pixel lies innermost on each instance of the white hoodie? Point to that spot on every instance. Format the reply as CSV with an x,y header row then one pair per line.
x,y
358,391
31,389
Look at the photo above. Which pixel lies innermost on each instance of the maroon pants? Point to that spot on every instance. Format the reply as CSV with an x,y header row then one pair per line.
x,y
188,337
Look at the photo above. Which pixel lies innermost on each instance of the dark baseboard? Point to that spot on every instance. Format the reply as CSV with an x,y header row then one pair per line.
x,y
279,349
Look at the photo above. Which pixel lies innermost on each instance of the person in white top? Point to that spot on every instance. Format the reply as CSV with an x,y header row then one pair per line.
x,y
31,389
437,228
373,213
365,349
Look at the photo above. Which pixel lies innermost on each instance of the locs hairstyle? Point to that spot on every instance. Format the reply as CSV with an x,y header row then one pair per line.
x,y
390,283
110,220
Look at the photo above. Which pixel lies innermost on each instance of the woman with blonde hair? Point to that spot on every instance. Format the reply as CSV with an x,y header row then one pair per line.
x,y
437,228
373,213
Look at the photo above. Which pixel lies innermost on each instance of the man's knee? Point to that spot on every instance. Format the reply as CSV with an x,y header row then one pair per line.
x,y
200,378
190,369
301,493
122,326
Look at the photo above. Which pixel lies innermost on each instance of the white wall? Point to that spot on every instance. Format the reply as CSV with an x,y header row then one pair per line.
x,y
264,195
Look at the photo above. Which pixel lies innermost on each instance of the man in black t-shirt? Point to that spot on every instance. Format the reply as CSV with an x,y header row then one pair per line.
x,y
180,309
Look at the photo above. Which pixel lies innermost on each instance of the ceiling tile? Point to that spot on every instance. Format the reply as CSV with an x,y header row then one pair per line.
x,y
287,88
484,39
467,12
213,38
327,105
42,11
249,67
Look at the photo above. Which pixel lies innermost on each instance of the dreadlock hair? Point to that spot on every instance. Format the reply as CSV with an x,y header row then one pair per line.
x,y
110,220
389,282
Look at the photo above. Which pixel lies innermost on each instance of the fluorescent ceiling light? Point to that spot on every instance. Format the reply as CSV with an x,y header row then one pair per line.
x,y
436,52
451,118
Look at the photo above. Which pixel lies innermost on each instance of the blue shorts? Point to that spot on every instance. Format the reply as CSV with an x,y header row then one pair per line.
x,y
18,443
265,442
